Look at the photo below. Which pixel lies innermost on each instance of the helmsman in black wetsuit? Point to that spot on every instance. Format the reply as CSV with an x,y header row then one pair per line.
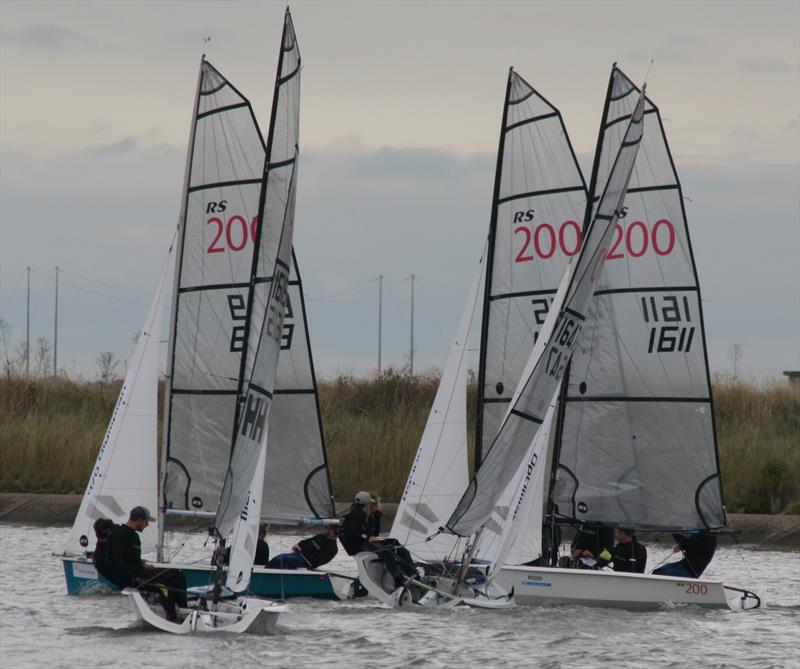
x,y
698,551
124,566
628,555
359,532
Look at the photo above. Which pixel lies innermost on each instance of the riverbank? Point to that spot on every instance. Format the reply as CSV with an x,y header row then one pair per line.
x,y
774,531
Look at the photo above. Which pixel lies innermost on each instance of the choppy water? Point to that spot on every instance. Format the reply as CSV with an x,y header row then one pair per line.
x,y
40,626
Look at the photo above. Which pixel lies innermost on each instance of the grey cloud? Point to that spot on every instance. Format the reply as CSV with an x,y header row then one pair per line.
x,y
686,40
45,36
125,145
422,165
768,67
744,132
661,53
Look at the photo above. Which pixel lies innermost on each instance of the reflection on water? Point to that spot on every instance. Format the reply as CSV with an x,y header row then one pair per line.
x,y
40,626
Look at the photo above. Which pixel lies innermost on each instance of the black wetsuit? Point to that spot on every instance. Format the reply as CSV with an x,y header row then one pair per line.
x,y
318,550
125,569
354,533
630,557
262,554
698,550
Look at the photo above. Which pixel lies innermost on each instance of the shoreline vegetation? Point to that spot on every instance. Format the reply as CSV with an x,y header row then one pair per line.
x,y
51,430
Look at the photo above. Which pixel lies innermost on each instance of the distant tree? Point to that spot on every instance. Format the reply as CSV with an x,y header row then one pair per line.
x,y
107,365
43,356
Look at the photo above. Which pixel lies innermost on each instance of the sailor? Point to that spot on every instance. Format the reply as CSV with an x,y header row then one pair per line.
x,y
359,532
309,553
125,567
262,547
591,540
628,555
698,550
102,549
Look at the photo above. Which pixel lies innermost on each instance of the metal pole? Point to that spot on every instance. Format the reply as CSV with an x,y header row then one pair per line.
x,y
28,330
380,320
55,331
411,355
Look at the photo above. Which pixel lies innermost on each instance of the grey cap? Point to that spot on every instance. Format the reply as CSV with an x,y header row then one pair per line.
x,y
140,513
364,497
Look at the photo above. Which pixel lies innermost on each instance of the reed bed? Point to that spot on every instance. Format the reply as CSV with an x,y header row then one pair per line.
x,y
51,429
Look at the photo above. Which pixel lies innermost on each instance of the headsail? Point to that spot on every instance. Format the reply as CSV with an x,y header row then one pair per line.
x,y
638,443
440,471
538,208
125,473
552,351
240,501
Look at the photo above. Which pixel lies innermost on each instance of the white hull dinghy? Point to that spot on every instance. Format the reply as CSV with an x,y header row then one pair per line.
x,y
429,591
551,586
232,615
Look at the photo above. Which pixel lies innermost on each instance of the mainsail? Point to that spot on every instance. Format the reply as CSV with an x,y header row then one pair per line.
x,y
539,203
637,444
551,354
212,307
238,512
125,473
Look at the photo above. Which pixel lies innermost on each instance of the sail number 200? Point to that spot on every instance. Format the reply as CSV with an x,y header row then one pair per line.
x,y
633,239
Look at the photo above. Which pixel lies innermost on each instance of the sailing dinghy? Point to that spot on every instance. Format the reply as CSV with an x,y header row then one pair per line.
x,y
214,263
519,439
635,442
238,515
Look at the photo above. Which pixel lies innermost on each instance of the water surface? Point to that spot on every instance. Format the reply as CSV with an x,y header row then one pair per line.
x,y
40,626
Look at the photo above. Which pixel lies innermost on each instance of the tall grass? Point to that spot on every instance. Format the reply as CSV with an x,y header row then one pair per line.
x,y
50,431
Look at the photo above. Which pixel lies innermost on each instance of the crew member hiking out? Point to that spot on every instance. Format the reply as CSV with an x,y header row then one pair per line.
x,y
309,553
698,550
359,532
125,568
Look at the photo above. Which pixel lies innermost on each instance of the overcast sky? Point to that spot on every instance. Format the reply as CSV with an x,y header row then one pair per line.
x,y
400,116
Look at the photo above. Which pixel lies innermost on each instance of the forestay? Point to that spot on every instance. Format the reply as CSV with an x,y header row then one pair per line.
x,y
551,353
125,473
538,208
440,473
211,311
638,442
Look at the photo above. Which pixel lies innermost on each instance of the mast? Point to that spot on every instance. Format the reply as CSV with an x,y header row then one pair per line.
x,y
181,234
550,512
488,285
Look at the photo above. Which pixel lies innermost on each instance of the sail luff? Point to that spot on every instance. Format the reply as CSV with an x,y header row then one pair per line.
x,y
178,245
488,280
